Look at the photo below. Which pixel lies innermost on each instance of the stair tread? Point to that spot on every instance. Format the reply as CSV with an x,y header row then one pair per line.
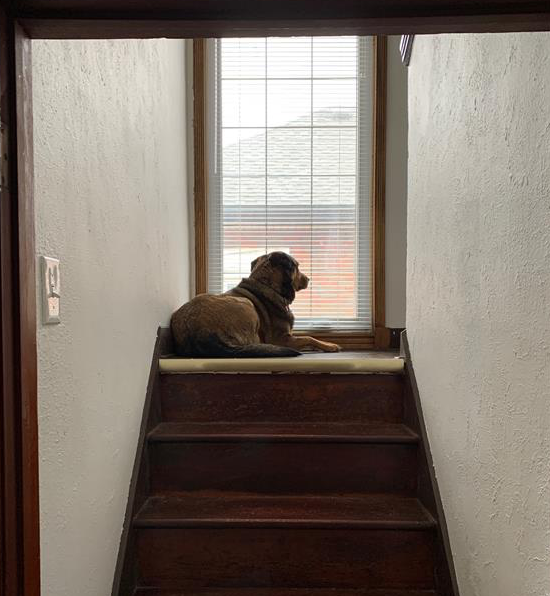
x,y
284,592
225,509
374,432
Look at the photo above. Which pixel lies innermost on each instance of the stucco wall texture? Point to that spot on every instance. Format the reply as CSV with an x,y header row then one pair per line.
x,y
478,297
110,157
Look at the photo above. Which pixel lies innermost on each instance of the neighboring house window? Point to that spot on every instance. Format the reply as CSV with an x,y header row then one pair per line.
x,y
290,159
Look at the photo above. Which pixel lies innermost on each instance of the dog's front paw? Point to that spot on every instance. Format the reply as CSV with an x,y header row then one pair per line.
x,y
330,347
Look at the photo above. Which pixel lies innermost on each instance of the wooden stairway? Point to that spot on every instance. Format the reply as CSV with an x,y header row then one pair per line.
x,y
282,485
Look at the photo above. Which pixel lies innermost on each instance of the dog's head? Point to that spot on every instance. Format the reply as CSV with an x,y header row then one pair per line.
x,y
281,272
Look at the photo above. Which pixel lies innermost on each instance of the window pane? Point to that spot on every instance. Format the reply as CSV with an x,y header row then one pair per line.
x,y
288,57
335,57
245,191
288,103
290,168
289,151
243,152
243,58
334,151
334,103
243,103
334,190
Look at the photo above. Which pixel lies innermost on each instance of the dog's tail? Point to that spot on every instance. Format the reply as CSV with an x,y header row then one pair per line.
x,y
261,351
214,347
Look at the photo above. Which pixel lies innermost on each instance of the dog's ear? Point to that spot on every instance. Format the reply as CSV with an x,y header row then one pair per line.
x,y
286,264
253,264
282,260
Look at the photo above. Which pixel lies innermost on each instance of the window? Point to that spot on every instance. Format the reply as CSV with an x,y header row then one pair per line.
x,y
290,137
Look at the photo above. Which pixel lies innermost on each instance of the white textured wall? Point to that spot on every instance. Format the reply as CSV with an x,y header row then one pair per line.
x,y
396,187
478,297
110,155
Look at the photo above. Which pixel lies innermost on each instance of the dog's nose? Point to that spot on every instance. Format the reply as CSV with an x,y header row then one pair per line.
x,y
306,282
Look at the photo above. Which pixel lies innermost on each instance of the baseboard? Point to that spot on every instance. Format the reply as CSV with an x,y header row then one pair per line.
x,y
428,487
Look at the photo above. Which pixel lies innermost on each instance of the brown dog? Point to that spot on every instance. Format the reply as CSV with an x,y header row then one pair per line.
x,y
252,320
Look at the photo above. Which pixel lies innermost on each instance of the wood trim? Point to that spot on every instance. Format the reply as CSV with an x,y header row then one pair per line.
x,y
200,171
20,506
48,28
382,338
125,573
273,10
27,305
379,192
89,19
359,340
10,564
428,488
347,341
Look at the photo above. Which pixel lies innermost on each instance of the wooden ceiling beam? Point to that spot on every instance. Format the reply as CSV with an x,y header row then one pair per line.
x,y
59,19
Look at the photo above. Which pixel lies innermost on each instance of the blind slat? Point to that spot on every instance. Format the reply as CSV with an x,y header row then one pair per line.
x,y
290,159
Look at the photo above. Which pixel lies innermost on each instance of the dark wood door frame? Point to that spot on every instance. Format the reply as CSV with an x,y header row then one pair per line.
x,y
19,544
21,20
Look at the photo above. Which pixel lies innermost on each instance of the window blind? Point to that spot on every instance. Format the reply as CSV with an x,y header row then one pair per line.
x,y
290,147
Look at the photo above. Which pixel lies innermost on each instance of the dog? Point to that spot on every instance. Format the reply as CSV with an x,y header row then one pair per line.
x,y
253,320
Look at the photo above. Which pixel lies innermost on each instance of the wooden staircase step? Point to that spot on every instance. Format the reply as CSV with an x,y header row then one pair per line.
x,y
282,484
316,432
283,468
282,398
234,510
256,557
282,592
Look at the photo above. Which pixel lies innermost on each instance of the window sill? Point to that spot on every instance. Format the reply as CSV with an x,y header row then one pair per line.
x,y
358,340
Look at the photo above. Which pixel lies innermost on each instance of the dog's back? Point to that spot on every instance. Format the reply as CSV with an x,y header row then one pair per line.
x,y
221,326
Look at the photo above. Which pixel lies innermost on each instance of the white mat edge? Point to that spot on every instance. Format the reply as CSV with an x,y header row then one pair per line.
x,y
270,365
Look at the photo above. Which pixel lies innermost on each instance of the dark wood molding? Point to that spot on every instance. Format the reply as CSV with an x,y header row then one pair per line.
x,y
20,506
382,338
428,487
269,9
217,18
11,566
381,335
48,28
200,172
124,578
27,305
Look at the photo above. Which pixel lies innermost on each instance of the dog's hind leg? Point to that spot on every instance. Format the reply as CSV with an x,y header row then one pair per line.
x,y
213,347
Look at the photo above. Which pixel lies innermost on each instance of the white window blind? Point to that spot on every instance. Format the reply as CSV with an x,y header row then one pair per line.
x,y
290,145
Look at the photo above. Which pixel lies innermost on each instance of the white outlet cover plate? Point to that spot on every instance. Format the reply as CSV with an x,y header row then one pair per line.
x,y
51,290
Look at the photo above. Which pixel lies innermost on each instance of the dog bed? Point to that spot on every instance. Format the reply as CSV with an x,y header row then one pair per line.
x,y
307,363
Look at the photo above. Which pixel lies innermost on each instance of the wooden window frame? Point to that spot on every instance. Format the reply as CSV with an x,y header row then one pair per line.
x,y
21,20
379,336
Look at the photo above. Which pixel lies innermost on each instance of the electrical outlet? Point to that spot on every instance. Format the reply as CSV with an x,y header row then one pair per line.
x,y
51,290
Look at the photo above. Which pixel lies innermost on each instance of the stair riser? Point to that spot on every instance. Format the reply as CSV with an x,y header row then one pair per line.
x,y
282,398
291,558
284,467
